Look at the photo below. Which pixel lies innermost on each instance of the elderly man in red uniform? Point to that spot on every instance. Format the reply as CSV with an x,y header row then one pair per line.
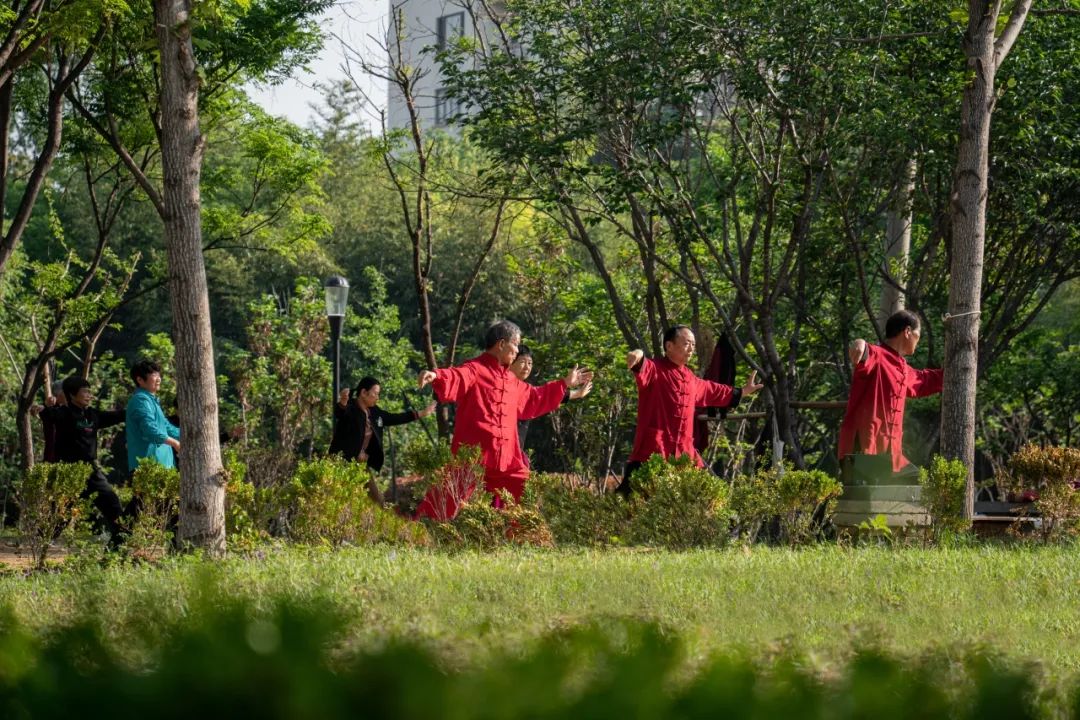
x,y
871,435
668,393
490,400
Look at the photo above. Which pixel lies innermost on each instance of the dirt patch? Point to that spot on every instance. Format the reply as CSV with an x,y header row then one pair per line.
x,y
17,557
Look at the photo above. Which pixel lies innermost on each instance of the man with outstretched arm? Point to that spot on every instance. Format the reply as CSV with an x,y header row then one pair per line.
x,y
668,393
490,400
872,433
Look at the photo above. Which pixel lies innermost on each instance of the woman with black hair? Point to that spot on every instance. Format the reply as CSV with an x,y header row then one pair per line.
x,y
358,425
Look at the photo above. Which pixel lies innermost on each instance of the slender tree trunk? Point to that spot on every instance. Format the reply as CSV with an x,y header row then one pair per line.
x,y
25,432
984,55
897,242
5,141
968,236
202,487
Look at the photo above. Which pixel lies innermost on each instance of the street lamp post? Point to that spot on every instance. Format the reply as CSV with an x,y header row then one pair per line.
x,y
337,295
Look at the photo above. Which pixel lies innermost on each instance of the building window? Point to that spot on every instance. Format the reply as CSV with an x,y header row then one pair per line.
x,y
446,107
450,28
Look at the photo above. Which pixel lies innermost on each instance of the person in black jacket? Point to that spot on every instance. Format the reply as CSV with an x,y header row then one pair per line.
x,y
358,426
77,425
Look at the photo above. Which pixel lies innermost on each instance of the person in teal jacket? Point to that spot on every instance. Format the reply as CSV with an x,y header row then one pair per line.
x,y
149,434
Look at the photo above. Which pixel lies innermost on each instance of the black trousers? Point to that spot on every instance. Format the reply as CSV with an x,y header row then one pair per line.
x,y
105,500
624,486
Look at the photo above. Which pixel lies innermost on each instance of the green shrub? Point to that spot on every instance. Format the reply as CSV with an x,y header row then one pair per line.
x,y
269,470
331,505
157,493
678,505
754,502
241,532
575,513
806,501
228,660
422,457
49,504
1051,472
479,525
944,483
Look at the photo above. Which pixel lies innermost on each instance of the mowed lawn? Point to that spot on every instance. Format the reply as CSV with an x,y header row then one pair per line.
x,y
1022,602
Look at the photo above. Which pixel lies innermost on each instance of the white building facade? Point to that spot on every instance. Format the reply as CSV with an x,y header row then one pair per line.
x,y
425,26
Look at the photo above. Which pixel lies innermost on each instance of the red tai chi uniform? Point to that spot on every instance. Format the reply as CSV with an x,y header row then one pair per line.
x,y
490,401
667,396
874,419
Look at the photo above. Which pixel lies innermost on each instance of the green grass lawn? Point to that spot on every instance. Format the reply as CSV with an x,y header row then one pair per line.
x,y
1021,602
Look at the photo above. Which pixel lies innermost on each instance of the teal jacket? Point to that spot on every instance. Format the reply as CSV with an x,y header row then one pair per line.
x,y
147,430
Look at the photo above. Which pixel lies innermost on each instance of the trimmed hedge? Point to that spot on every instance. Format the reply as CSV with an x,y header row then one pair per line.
x,y
229,661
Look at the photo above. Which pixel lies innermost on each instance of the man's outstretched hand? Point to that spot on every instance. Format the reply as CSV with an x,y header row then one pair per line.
x,y
633,358
752,385
578,376
426,378
856,351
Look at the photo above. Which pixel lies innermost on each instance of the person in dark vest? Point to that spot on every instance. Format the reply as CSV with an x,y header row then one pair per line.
x,y
359,424
77,425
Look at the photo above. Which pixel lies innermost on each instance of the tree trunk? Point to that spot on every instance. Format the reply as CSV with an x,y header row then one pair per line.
x,y
984,55
202,487
897,242
25,433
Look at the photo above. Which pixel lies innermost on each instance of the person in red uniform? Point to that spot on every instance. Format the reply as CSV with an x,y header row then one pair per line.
x,y
490,400
668,393
874,419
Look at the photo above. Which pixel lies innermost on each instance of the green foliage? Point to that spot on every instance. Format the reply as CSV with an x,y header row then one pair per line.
x,y
610,670
1053,473
1032,394
331,505
422,457
275,167
806,500
241,532
754,501
944,483
157,492
801,502
49,505
479,525
263,493
877,529
678,505
576,514
282,379
373,344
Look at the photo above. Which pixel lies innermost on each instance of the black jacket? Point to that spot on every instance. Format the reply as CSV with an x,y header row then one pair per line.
x,y
349,427
77,429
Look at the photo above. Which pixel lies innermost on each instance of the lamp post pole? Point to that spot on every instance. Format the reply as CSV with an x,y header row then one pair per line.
x,y
337,295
